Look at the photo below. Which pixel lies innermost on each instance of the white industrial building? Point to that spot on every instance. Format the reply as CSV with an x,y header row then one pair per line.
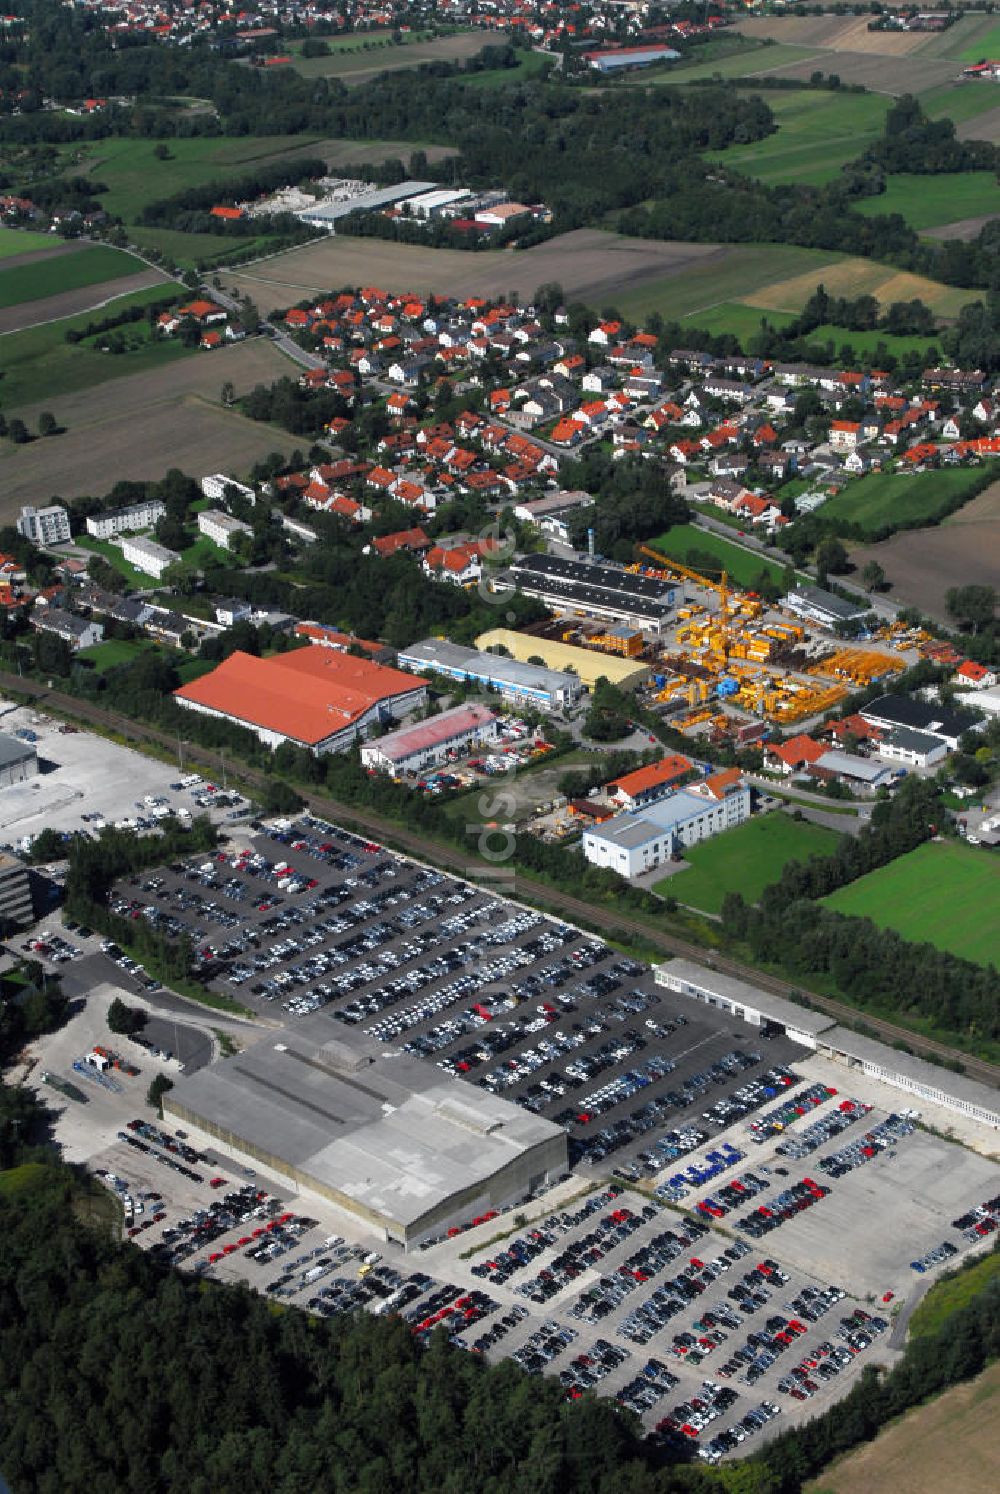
x,y
903,1071
917,749
433,204
519,684
428,744
221,528
631,844
147,556
44,526
127,520
325,213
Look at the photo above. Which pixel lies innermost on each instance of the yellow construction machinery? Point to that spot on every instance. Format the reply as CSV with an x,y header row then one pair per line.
x,y
674,567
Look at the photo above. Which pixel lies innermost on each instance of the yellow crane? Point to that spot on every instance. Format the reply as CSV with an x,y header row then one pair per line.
x,y
664,563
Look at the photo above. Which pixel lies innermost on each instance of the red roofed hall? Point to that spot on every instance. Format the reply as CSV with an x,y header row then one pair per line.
x,y
314,697
429,743
645,784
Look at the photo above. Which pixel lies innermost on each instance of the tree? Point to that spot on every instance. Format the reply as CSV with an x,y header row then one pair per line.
x,y
972,606
831,557
162,151
18,432
123,1019
228,392
873,576
157,1089
47,423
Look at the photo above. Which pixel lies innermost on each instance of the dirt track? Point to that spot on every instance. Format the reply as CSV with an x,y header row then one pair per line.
x,y
605,920
589,265
69,303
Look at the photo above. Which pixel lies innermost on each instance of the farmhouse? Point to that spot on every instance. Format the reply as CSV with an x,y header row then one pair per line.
x,y
315,697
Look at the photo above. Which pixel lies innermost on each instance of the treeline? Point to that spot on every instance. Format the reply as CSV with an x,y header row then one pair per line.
x,y
197,202
873,967
862,314
926,147
124,318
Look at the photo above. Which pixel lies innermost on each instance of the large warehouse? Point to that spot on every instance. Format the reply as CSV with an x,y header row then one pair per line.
x,y
384,1136
605,591
519,684
18,760
589,665
311,697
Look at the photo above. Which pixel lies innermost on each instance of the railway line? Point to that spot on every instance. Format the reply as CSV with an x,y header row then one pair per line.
x,y
603,920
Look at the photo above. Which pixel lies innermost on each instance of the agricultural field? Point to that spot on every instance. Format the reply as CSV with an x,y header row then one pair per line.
x,y
589,264
984,125
15,241
38,364
899,499
857,277
743,566
101,444
984,44
867,344
818,133
359,59
745,860
50,276
922,564
944,894
892,62
751,61
957,1432
929,201
749,273
738,320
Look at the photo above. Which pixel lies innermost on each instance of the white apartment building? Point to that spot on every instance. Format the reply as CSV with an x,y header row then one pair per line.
x,y
126,520
221,528
147,556
44,526
214,488
631,844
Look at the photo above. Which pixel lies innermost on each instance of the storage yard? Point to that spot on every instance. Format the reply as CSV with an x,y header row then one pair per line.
x,y
411,1013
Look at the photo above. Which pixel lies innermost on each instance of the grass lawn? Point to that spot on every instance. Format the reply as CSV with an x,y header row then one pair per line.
x,y
745,860
952,1294
943,894
38,362
113,651
529,65
734,317
883,499
202,549
818,132
867,344
742,565
929,201
734,275
24,241
65,272
138,580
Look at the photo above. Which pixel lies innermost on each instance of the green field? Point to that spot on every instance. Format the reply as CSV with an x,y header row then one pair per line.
x,y
818,132
745,860
747,63
65,272
134,176
741,565
943,894
867,344
929,201
735,318
959,102
986,47
39,362
530,65
184,249
739,271
105,656
24,241
900,500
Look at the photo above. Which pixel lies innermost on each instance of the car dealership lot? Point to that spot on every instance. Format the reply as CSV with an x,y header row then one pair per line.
x,y
666,1303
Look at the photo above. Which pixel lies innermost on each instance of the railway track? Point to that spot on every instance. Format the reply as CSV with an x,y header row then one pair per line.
x,y
603,920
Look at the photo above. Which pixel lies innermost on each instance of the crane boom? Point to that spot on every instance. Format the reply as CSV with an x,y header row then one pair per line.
x,y
664,563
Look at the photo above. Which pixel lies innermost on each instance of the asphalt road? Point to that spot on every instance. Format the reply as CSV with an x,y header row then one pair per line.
x,y
602,919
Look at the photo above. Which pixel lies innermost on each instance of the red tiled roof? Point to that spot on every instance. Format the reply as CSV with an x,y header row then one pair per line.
x,y
667,770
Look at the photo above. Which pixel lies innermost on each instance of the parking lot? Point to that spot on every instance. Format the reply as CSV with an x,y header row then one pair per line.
x,y
85,781
738,1230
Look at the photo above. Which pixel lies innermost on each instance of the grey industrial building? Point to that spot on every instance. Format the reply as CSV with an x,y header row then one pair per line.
x,y
604,591
819,606
381,1135
519,684
18,760
945,723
